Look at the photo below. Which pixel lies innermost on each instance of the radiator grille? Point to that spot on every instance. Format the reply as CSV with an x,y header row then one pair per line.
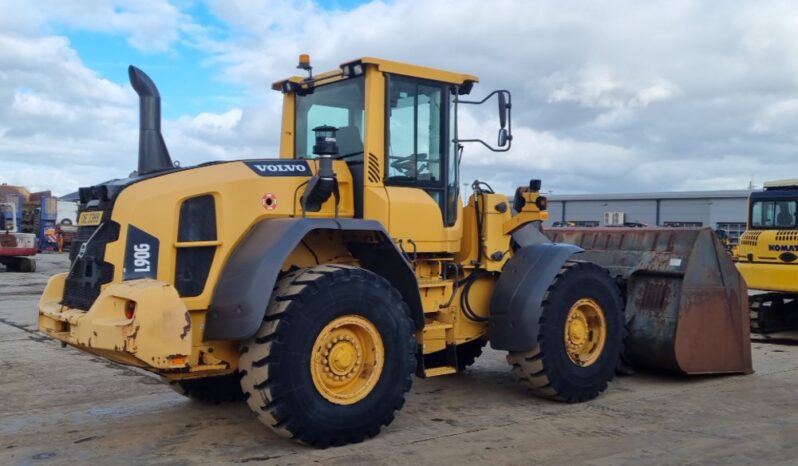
x,y
373,169
787,235
749,238
89,272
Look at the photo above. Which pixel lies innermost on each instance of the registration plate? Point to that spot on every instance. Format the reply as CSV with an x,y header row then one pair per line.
x,y
90,219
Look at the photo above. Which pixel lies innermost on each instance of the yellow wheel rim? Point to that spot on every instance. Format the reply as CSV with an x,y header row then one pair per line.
x,y
347,359
585,332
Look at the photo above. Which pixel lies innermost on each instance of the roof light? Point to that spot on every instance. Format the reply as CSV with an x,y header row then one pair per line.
x,y
304,64
304,61
352,69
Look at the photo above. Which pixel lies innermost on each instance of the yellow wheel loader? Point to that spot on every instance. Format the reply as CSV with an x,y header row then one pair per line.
x,y
766,257
314,285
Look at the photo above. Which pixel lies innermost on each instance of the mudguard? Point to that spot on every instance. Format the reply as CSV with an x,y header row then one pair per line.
x,y
246,283
515,306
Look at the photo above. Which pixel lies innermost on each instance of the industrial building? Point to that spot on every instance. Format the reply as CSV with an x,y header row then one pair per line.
x,y
725,210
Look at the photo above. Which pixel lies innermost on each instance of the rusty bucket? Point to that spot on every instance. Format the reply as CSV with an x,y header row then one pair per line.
x,y
686,304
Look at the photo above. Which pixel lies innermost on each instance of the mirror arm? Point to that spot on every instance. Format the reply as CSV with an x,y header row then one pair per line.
x,y
493,149
478,102
508,106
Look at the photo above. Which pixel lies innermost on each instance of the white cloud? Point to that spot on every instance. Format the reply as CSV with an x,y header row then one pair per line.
x,y
597,87
777,118
604,92
608,96
149,25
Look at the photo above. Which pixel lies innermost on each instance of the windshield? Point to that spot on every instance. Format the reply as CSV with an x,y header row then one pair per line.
x,y
773,214
339,104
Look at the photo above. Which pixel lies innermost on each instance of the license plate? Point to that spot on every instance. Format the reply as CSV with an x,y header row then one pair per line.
x,y
90,219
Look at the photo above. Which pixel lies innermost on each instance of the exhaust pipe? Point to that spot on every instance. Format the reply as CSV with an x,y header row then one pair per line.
x,y
153,155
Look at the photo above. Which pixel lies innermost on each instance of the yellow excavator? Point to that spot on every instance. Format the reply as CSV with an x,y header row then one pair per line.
x,y
314,285
766,257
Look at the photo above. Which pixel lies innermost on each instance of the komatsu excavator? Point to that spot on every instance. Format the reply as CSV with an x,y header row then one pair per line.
x,y
766,256
315,284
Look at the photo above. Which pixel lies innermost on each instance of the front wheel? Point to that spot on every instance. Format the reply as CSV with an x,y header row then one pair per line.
x,y
580,337
333,359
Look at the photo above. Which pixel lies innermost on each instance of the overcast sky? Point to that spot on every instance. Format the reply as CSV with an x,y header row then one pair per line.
x,y
609,96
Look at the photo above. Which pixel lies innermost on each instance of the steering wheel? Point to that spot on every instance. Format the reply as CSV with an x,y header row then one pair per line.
x,y
408,164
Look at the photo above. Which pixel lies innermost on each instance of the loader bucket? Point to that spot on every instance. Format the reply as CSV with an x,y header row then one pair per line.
x,y
686,304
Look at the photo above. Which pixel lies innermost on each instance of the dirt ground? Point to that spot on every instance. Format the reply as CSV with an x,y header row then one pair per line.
x,y
59,405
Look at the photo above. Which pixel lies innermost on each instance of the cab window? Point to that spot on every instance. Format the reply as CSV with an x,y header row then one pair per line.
x,y
339,104
417,151
773,214
414,145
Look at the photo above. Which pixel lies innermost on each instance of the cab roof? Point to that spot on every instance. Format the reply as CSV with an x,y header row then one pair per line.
x,y
776,184
388,66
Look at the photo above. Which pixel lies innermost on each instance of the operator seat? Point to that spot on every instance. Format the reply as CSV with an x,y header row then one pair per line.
x,y
350,142
784,219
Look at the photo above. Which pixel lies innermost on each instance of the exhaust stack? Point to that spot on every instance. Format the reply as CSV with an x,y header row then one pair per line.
x,y
153,155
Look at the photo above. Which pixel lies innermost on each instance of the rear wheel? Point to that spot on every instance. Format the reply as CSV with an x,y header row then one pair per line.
x,y
580,337
19,264
27,265
333,358
211,390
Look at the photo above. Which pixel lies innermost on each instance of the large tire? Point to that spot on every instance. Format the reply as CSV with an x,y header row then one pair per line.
x,y
211,390
27,265
288,376
20,264
577,370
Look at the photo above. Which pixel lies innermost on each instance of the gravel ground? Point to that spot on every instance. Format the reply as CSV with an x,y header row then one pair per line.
x,y
60,405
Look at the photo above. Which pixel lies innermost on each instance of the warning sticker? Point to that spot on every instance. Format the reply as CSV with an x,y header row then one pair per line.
x,y
269,201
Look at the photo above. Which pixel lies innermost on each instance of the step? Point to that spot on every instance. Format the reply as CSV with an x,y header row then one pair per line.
x,y
442,370
431,326
433,283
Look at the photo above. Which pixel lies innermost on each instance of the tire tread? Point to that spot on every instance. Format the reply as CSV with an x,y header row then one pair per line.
x,y
532,367
256,356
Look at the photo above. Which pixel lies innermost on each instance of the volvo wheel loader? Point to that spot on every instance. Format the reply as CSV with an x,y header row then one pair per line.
x,y
314,285
766,257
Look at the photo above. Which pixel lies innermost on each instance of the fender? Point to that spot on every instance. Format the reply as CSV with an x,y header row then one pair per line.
x,y
245,286
515,306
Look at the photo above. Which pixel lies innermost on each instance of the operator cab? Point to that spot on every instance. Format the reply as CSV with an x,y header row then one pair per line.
x,y
775,208
397,131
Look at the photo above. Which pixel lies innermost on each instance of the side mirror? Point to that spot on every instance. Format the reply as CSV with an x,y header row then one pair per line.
x,y
505,137
502,113
502,137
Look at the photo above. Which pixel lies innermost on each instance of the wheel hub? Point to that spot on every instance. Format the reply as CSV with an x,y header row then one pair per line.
x,y
577,329
347,359
585,332
343,357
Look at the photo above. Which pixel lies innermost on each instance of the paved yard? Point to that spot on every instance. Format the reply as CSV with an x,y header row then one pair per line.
x,y
60,405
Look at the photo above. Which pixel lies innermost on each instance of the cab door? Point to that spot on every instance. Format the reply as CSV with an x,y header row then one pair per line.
x,y
421,179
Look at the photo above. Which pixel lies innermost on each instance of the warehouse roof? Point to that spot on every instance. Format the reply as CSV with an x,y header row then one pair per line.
x,y
731,193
